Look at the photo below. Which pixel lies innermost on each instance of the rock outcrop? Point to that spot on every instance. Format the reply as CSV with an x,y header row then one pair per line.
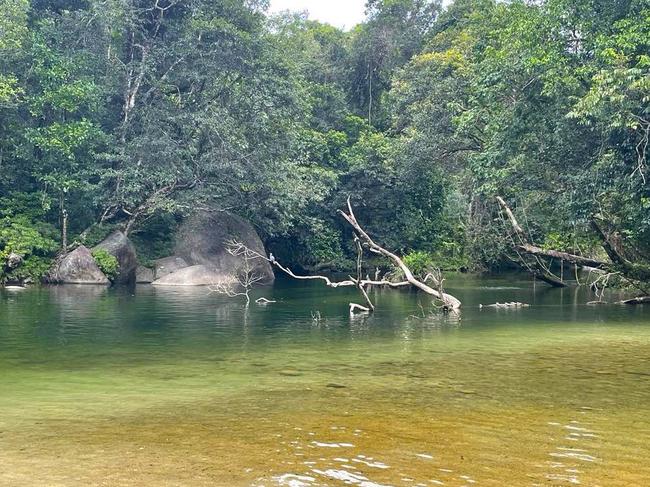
x,y
201,243
119,246
144,275
13,260
196,275
167,265
78,267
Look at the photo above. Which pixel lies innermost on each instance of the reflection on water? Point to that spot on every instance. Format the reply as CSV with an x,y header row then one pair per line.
x,y
177,387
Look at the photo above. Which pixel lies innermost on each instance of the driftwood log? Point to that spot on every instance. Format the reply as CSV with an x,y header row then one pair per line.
x,y
641,300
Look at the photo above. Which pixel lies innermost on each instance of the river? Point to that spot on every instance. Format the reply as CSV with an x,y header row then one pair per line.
x,y
177,387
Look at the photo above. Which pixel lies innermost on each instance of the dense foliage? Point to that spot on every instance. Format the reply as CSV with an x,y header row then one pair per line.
x,y
107,263
131,114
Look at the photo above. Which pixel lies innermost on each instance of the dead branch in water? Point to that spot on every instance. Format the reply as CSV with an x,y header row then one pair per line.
x,y
363,239
246,275
359,281
449,301
641,300
328,282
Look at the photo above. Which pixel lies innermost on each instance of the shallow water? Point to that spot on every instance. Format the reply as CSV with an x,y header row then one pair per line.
x,y
175,387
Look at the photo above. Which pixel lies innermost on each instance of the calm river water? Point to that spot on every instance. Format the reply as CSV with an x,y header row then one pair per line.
x,y
175,387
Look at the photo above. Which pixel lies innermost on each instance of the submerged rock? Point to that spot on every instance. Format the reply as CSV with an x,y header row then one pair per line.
x,y
119,246
290,373
78,267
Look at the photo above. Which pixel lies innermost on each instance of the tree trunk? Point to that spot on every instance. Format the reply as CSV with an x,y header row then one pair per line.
x,y
631,270
563,256
64,230
535,267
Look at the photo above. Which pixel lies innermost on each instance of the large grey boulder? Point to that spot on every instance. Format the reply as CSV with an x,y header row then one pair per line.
x,y
78,267
13,260
202,242
203,238
144,275
196,275
167,265
119,246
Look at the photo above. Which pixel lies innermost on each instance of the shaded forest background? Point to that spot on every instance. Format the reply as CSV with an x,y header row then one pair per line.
x,y
131,114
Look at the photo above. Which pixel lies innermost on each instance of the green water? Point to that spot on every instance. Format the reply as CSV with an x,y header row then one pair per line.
x,y
175,387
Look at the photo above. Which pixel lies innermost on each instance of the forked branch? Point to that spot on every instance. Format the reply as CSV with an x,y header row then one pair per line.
x,y
246,277
448,300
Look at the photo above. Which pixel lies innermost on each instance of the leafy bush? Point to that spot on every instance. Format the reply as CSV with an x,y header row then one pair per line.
x,y
449,258
324,244
420,263
107,263
32,269
33,242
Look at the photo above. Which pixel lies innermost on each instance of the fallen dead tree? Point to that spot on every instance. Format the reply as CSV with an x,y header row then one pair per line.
x,y
555,254
447,299
362,240
636,275
521,245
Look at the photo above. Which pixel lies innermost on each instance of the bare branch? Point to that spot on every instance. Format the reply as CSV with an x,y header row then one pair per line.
x,y
358,281
358,308
241,249
449,300
246,275
535,267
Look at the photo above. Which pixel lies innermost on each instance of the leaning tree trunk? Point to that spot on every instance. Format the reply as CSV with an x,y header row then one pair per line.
x,y
631,270
533,265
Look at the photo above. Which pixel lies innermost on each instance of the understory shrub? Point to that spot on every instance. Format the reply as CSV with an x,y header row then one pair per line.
x,y
107,263
33,242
